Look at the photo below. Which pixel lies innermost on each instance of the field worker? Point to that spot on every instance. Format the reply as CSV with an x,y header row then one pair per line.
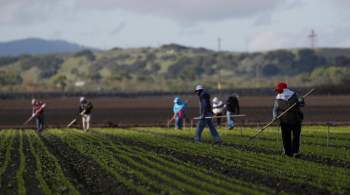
x,y
85,109
218,109
291,121
205,116
38,114
232,108
179,112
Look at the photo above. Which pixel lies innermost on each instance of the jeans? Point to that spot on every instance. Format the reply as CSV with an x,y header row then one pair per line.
x,y
230,121
39,120
200,127
86,121
291,145
178,122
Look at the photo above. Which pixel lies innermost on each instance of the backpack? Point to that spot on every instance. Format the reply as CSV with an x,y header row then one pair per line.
x,y
293,116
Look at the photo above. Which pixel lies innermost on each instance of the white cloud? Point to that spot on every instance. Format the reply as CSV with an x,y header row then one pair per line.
x,y
28,12
25,12
276,40
185,12
262,20
189,11
334,37
341,3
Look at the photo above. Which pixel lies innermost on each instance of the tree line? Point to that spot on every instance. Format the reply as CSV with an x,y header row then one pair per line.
x,y
173,68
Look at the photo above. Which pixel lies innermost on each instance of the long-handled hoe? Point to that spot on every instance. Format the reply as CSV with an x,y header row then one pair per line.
x,y
34,115
214,117
169,122
75,119
279,116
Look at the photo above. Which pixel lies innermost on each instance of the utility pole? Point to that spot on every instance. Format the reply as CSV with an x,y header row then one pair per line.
x,y
258,60
312,36
219,81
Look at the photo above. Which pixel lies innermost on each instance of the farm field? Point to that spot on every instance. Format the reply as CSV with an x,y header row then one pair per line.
x,y
166,161
156,110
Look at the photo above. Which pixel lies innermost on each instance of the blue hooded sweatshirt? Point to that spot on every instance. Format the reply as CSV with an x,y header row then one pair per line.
x,y
178,105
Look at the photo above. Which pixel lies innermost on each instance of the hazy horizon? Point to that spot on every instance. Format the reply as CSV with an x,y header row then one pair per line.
x,y
241,25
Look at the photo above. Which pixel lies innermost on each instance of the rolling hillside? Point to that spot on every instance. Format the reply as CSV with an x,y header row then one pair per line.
x,y
173,68
37,46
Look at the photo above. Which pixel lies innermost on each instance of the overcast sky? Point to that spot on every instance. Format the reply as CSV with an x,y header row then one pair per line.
x,y
243,25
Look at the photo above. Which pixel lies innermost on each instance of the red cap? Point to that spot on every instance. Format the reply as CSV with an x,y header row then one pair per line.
x,y
280,86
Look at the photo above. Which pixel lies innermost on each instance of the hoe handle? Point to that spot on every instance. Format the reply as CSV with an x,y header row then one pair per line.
x,y
279,116
212,117
71,123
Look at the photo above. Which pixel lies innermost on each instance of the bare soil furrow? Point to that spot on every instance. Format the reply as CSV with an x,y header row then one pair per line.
x,y
90,175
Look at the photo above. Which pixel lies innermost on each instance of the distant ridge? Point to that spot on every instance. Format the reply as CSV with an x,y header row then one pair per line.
x,y
36,46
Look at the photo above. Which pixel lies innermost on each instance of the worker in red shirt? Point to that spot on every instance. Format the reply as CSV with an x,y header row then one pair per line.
x,y
38,114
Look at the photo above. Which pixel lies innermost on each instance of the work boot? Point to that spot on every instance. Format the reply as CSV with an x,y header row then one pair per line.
x,y
219,142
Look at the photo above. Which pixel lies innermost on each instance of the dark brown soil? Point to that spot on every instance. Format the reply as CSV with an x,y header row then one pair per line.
x,y
141,111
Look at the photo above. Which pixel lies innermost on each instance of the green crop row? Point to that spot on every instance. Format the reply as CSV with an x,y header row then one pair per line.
x,y
166,161
173,164
20,171
101,154
293,170
272,142
120,171
7,137
156,162
156,169
49,172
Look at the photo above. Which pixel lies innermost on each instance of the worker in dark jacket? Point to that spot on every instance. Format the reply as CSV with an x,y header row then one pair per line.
x,y
206,115
232,107
84,111
291,121
38,114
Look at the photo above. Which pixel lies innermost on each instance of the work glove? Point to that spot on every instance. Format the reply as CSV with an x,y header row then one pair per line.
x,y
274,117
301,101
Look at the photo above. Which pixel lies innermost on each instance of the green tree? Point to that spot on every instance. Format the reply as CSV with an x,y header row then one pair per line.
x,y
10,78
330,75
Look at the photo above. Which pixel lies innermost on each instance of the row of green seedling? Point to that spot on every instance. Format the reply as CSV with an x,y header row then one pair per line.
x,y
180,171
272,165
49,172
